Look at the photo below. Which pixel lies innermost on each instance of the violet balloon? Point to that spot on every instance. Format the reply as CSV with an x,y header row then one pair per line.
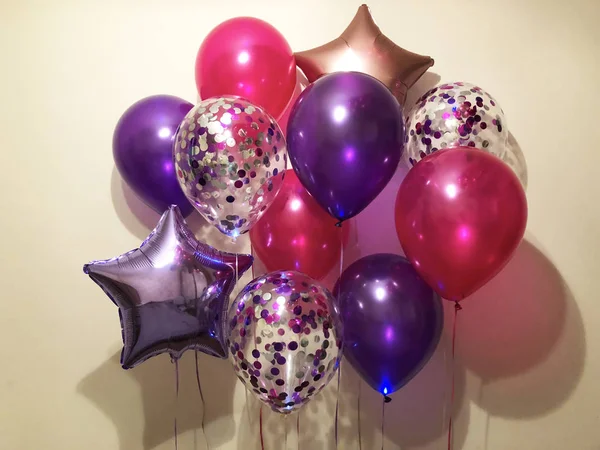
x,y
391,319
143,151
345,139
172,292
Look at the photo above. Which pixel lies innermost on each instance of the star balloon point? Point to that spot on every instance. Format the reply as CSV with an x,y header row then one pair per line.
x,y
363,47
172,292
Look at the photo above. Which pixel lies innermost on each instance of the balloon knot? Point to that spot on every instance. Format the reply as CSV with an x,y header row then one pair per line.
x,y
339,224
457,306
387,399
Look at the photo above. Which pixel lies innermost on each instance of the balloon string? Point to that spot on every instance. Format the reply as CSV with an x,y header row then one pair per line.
x,y
457,308
203,403
262,441
358,410
383,420
252,254
176,362
286,432
298,430
337,403
337,398
248,407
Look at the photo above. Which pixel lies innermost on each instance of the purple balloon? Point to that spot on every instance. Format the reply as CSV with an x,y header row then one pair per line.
x,y
172,292
143,151
392,320
345,138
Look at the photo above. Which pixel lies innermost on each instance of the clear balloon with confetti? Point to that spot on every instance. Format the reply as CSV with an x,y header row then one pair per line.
x,y
230,159
284,339
455,114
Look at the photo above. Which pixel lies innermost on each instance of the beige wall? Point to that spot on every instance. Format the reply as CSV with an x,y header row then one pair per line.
x,y
528,367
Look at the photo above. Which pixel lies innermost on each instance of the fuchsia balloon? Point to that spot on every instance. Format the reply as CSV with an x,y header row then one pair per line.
x,y
460,215
249,58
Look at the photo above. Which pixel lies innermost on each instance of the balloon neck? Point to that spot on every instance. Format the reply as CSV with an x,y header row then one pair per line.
x,y
339,224
387,399
457,306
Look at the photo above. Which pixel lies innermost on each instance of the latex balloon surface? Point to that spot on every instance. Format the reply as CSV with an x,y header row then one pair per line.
x,y
143,147
455,115
247,57
392,320
345,139
460,215
230,157
284,339
295,233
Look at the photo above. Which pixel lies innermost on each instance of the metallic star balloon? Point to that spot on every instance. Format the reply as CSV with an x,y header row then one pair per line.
x,y
364,48
172,292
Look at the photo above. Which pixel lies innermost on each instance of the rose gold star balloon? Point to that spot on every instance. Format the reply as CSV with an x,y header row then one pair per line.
x,y
363,47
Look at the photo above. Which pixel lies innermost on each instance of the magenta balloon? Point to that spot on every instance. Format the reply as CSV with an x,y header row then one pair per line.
x,y
345,139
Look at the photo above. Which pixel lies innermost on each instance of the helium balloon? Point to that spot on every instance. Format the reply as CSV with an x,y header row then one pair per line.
x,y
172,292
284,341
345,139
142,150
392,320
454,115
296,234
364,48
249,58
230,159
460,215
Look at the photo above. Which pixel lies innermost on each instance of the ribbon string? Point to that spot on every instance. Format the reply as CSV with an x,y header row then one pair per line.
x,y
176,363
203,403
457,308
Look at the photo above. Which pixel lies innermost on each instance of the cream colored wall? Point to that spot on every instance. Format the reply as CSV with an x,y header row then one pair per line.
x,y
528,366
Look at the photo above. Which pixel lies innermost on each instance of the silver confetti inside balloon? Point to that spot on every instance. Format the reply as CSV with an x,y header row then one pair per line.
x,y
454,115
230,158
284,340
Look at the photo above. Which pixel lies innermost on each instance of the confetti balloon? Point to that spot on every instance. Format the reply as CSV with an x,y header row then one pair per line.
x,y
455,115
284,339
230,159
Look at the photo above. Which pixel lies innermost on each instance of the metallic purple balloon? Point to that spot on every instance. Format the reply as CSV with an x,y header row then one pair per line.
x,y
392,320
172,292
345,138
143,151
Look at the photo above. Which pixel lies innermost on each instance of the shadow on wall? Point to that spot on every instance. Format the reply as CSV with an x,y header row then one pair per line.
x,y
523,335
140,219
116,393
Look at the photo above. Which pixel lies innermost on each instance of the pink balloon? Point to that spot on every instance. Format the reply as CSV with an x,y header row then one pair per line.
x,y
460,215
249,58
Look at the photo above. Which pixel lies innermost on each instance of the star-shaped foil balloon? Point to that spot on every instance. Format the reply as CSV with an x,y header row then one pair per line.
x,y
172,292
364,48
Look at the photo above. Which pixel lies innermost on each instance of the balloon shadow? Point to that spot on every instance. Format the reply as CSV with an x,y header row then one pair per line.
x,y
523,335
423,84
117,393
515,158
140,219
417,417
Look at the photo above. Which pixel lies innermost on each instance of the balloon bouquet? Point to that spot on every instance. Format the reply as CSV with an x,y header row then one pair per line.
x,y
460,212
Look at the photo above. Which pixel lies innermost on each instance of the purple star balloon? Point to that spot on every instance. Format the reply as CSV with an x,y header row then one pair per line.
x,y
172,292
